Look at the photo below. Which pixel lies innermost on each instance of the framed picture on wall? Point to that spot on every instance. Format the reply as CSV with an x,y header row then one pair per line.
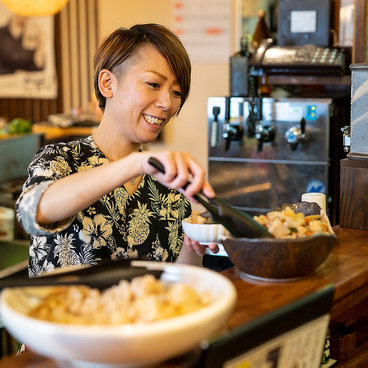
x,y
27,56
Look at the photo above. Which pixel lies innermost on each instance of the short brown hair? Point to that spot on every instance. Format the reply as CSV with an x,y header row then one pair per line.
x,y
124,43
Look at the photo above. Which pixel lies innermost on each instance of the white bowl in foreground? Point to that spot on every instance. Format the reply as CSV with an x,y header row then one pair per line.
x,y
205,233
134,345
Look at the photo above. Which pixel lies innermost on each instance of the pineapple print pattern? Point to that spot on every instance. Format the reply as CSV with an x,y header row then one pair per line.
x,y
146,224
139,229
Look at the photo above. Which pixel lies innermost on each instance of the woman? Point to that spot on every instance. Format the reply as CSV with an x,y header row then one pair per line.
x,y
98,197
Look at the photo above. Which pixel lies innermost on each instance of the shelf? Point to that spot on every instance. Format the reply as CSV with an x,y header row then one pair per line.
x,y
306,80
52,132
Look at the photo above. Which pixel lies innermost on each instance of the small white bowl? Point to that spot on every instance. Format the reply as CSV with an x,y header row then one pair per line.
x,y
131,345
205,233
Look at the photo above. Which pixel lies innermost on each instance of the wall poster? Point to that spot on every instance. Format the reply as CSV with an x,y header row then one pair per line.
x,y
27,56
204,27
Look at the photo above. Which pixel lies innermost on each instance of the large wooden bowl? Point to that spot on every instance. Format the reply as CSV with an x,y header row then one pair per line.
x,y
280,259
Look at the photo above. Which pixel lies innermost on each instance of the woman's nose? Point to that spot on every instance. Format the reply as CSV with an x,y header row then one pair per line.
x,y
164,100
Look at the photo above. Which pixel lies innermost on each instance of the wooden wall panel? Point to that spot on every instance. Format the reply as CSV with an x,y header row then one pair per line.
x,y
360,32
75,44
79,43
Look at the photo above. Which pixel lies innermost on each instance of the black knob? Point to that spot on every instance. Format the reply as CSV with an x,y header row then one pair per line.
x,y
216,112
302,125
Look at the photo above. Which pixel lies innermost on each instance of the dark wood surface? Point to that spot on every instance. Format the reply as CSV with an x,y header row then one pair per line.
x,y
346,268
353,193
360,29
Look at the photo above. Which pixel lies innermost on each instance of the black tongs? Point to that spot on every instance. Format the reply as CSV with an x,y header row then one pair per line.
x,y
100,276
239,223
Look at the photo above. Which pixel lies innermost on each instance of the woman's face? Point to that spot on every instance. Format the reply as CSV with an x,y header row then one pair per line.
x,y
144,98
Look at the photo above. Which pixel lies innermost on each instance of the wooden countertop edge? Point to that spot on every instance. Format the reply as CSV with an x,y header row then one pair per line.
x,y
358,277
52,132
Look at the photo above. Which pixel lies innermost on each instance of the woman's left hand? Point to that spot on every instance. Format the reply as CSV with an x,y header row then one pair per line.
x,y
200,249
192,252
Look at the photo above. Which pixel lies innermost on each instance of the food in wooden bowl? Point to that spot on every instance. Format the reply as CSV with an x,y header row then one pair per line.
x,y
300,246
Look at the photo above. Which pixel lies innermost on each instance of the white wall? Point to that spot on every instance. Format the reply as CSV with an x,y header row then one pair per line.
x,y
189,131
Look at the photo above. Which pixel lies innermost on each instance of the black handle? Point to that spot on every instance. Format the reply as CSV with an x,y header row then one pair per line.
x,y
302,125
227,109
156,164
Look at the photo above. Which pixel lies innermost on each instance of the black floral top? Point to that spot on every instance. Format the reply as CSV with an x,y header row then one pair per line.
x,y
146,224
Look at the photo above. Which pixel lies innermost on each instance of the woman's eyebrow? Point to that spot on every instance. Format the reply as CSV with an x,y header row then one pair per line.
x,y
158,74
162,76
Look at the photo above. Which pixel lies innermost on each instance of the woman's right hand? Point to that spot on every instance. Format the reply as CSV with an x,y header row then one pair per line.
x,y
180,167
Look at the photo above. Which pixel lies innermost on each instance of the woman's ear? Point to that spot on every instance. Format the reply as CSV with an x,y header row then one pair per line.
x,y
105,80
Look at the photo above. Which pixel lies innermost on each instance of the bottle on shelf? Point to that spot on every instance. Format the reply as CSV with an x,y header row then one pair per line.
x,y
244,46
239,70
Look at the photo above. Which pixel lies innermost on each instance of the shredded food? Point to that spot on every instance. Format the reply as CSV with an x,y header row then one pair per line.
x,y
287,224
144,299
195,218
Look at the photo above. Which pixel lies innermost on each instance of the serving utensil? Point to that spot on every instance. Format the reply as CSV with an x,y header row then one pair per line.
x,y
100,276
239,223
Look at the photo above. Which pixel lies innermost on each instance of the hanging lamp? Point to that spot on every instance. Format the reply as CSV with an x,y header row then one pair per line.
x,y
35,8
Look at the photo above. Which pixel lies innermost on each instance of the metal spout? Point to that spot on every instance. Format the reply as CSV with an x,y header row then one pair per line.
x,y
346,138
295,135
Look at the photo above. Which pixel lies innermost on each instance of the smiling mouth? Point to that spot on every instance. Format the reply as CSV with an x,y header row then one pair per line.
x,y
152,120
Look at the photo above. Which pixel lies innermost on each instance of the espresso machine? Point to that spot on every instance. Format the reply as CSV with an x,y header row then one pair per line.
x,y
267,152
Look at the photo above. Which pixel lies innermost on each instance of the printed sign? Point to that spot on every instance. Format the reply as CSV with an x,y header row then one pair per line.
x,y
27,56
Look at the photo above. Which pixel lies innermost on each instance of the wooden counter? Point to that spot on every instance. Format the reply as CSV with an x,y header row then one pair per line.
x,y
53,132
346,268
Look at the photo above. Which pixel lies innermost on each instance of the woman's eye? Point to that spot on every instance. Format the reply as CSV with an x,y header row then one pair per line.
x,y
154,85
177,94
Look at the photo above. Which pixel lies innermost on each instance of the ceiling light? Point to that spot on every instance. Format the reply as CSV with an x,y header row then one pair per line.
x,y
29,8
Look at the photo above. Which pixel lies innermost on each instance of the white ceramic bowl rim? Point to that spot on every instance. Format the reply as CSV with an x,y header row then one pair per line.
x,y
222,289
